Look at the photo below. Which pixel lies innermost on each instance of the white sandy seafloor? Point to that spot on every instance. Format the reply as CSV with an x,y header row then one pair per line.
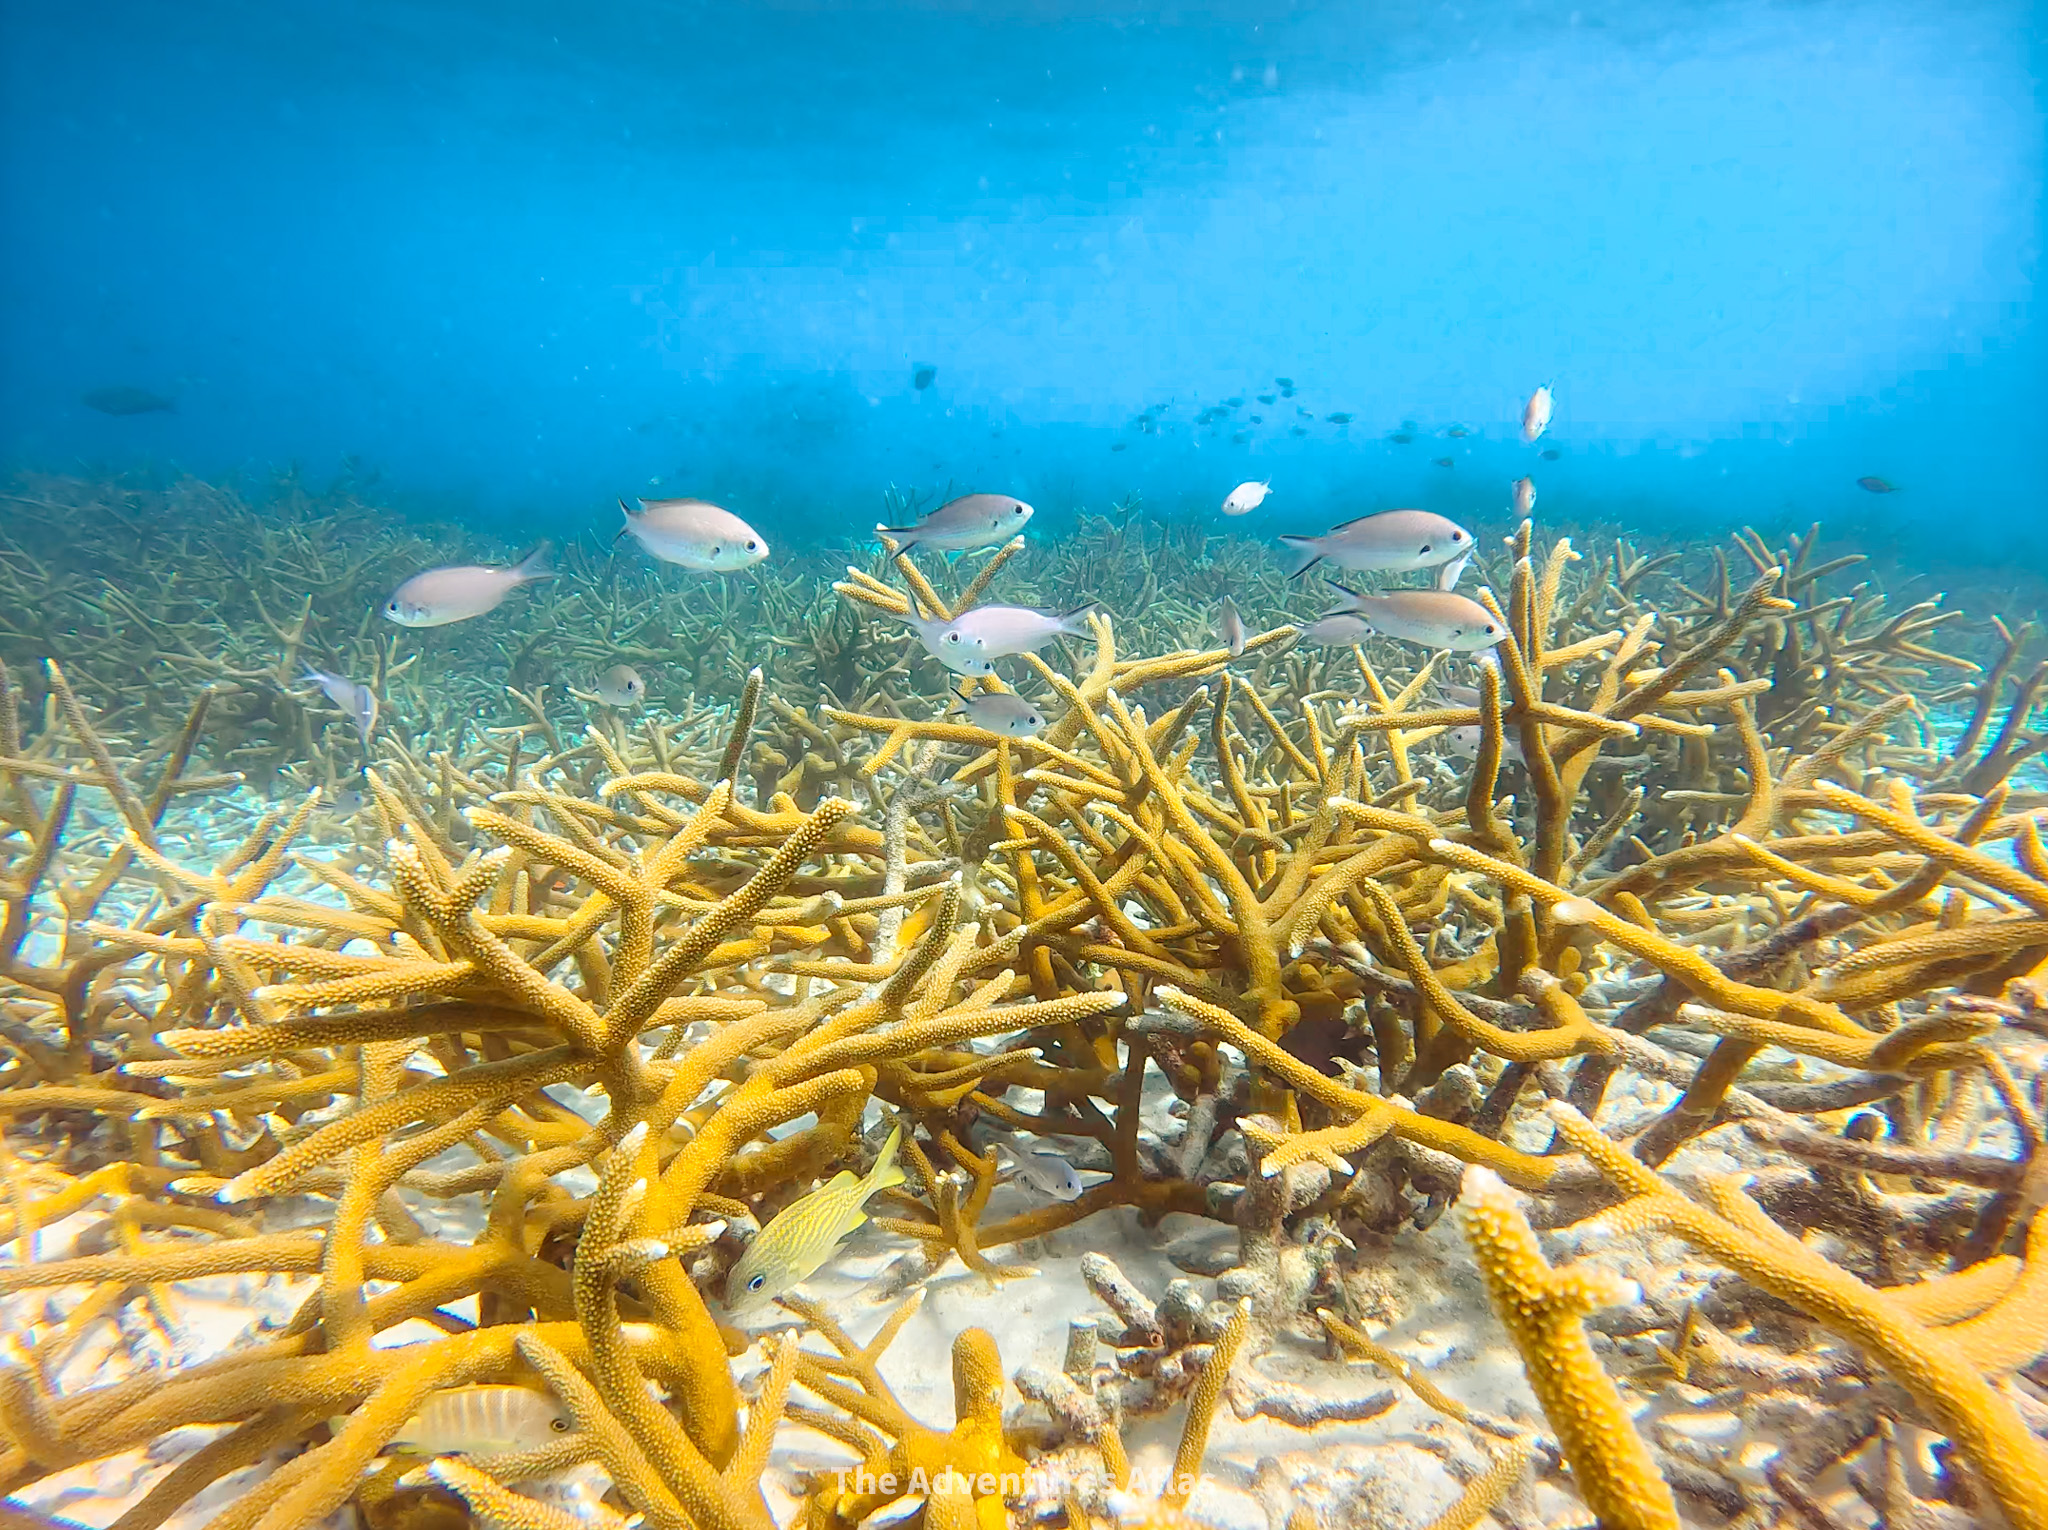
x,y
1418,1293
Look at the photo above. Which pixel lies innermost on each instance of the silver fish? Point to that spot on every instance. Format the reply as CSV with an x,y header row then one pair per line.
x,y
1230,627
1393,541
1246,497
483,1420
1339,630
443,595
963,524
1045,1171
997,632
621,686
1524,491
1003,712
352,696
1432,618
1536,414
792,1247
694,533
1464,742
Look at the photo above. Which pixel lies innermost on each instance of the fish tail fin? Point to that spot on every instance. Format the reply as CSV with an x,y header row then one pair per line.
x,y
905,537
1447,577
1076,620
1302,555
627,511
535,564
887,1171
1352,603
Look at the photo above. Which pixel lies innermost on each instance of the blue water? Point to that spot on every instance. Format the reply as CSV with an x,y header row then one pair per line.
x,y
516,259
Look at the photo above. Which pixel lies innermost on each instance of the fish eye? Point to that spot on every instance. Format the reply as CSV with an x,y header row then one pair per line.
x,y
559,1425
757,1282
753,546
1425,547
952,637
1457,536
716,551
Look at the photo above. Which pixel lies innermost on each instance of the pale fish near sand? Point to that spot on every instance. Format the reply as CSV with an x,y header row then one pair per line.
x,y
1246,497
1045,1171
352,696
797,1242
1003,712
1431,618
621,686
1230,627
964,524
1524,492
483,1420
695,534
456,593
1391,542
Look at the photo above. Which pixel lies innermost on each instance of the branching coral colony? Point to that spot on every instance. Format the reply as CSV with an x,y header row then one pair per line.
x,y
1706,883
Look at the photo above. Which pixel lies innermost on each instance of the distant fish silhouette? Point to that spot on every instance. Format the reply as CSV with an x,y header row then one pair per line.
x,y
1550,454
1441,461
1457,432
1401,437
1118,446
1285,382
125,400
921,377
1877,485
1339,418
1266,398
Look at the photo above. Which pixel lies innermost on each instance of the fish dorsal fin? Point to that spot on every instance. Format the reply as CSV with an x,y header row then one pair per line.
x,y
845,1179
1356,520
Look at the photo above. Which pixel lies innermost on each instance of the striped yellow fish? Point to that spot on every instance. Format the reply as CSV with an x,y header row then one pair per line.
x,y
793,1246
483,1421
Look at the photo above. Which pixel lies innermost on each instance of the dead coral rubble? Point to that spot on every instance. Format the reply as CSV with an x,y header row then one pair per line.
x,y
1731,901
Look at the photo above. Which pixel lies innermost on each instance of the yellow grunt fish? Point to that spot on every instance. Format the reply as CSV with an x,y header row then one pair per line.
x,y
482,1421
792,1247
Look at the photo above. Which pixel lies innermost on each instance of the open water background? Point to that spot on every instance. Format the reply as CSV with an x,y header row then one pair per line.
x,y
513,259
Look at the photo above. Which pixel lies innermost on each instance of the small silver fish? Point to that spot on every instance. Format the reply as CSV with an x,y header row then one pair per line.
x,y
1464,742
1003,712
455,594
1393,541
621,686
694,533
1340,630
1536,414
1246,497
352,696
1432,618
482,1421
347,802
997,632
1230,627
797,1242
1045,1171
963,524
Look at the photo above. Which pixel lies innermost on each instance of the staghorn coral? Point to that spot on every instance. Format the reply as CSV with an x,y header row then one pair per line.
x,y
515,1055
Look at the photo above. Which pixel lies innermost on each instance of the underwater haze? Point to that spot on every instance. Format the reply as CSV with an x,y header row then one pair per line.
x,y
518,259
